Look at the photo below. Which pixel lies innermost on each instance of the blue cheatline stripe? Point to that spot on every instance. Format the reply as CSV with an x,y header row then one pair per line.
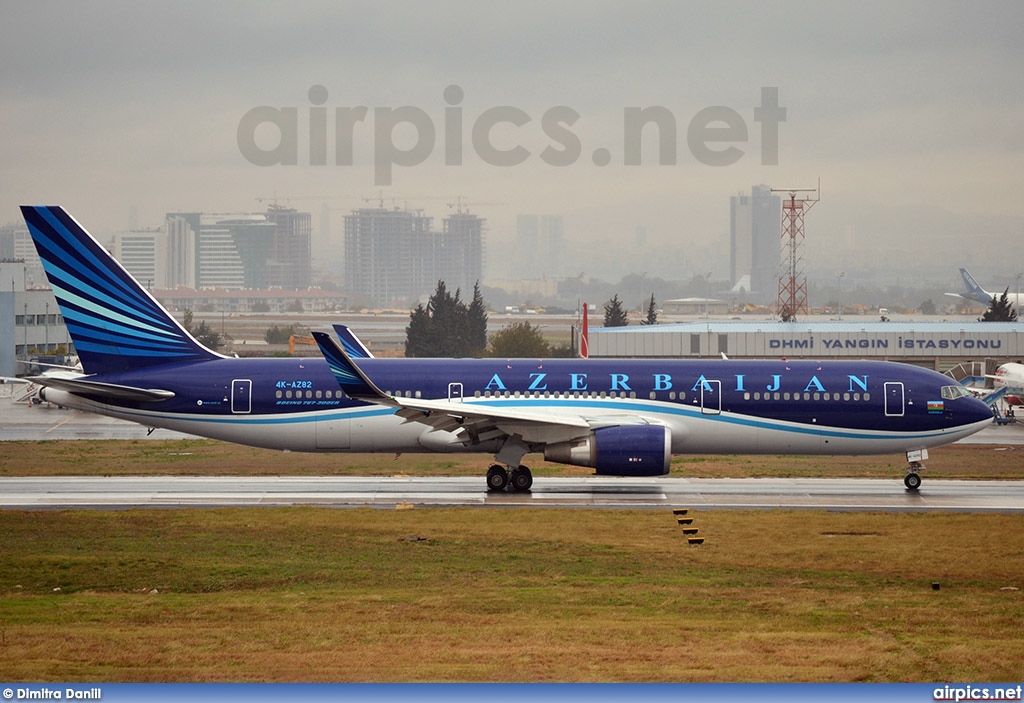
x,y
651,411
642,409
296,418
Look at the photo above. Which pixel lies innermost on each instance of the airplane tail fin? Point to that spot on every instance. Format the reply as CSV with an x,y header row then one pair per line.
x,y
973,291
115,324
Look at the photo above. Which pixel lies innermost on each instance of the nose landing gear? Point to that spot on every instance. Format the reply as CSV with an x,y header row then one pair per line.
x,y
913,478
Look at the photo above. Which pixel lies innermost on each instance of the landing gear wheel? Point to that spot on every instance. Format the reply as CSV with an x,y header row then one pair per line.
x,y
521,478
912,481
497,478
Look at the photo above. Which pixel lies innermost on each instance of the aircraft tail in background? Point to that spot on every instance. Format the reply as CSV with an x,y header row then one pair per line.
x,y
973,291
115,324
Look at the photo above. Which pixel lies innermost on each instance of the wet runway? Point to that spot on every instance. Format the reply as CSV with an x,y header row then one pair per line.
x,y
588,492
19,422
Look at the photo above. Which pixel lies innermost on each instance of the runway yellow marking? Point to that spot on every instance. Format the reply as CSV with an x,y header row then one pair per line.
x,y
62,423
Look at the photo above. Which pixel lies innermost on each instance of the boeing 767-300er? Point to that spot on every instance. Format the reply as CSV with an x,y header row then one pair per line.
x,y
622,417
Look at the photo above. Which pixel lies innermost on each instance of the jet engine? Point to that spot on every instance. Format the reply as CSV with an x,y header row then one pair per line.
x,y
623,450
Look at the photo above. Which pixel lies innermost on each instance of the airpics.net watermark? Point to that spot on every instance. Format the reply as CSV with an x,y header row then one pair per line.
x,y
712,134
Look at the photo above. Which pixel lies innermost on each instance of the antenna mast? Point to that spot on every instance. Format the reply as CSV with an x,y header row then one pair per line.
x,y
792,278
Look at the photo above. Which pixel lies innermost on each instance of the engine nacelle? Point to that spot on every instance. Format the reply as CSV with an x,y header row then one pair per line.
x,y
623,450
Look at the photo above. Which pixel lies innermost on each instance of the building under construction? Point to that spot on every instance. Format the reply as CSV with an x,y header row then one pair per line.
x,y
393,257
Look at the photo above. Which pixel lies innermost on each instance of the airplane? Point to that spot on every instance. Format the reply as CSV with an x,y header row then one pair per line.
x,y
621,417
975,293
1011,377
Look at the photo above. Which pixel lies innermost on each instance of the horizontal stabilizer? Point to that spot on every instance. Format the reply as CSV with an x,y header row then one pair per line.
x,y
81,386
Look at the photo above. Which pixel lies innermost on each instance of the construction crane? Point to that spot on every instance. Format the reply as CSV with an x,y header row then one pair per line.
x,y
298,339
462,207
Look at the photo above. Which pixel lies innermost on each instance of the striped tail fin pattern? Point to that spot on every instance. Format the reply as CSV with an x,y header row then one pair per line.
x,y
115,324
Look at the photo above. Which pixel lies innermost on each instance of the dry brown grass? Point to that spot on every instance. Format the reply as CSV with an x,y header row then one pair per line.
x,y
310,594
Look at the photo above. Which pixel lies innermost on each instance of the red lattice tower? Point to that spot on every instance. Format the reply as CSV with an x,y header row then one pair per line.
x,y
792,279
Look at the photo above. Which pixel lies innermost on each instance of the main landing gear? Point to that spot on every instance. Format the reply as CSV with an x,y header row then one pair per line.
x,y
518,479
913,478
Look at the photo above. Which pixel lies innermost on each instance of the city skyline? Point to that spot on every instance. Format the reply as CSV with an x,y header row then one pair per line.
x,y
906,113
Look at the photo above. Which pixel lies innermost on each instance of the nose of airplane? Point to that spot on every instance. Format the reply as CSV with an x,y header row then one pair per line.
x,y
973,411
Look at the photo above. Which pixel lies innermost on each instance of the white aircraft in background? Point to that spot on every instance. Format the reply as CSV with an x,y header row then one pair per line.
x,y
976,294
1011,377
30,391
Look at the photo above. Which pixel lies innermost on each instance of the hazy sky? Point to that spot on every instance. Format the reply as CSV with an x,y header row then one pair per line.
x,y
911,113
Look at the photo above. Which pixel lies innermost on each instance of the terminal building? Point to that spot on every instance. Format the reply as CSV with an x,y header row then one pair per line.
x,y
935,345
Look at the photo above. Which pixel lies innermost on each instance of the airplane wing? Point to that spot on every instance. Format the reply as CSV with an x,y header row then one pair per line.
x,y
471,421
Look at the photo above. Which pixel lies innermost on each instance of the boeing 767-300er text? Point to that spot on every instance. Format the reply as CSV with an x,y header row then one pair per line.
x,y
622,417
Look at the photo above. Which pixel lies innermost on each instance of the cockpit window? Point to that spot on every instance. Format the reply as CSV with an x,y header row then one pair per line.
x,y
954,392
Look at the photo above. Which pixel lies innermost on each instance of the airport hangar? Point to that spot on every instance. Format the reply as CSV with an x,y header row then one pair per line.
x,y
935,345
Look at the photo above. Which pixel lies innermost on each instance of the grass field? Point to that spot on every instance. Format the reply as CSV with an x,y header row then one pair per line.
x,y
493,595
316,594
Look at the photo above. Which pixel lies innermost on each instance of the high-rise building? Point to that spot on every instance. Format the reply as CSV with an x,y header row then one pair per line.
x,y
754,242
242,250
382,261
291,265
16,243
527,242
394,257
540,245
459,252
144,253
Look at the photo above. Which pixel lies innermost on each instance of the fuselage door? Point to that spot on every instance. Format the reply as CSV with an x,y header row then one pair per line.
x,y
455,391
241,395
710,397
893,399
